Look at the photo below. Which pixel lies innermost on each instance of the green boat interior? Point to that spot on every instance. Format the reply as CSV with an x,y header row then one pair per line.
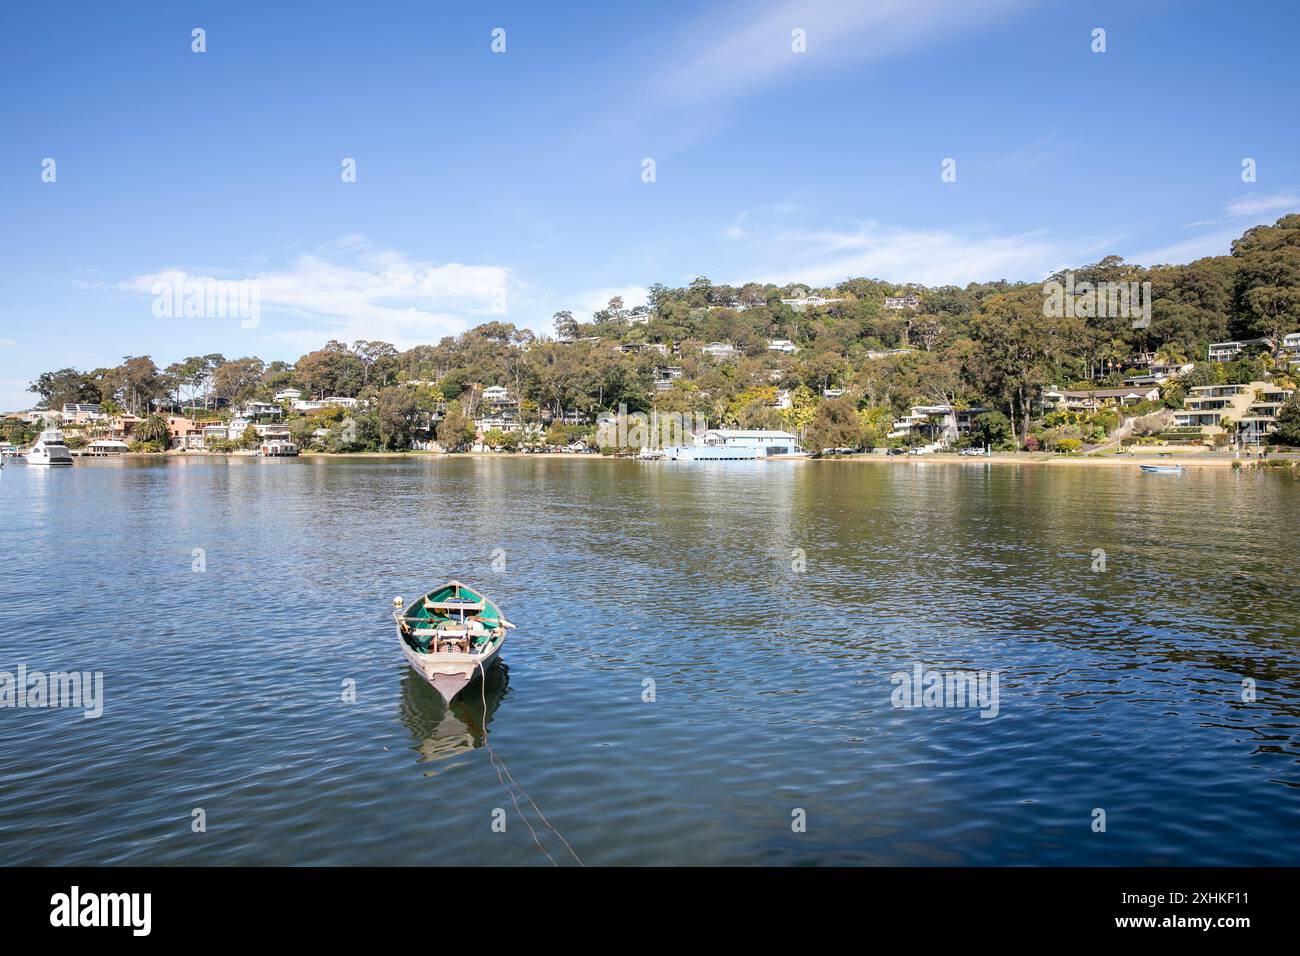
x,y
452,619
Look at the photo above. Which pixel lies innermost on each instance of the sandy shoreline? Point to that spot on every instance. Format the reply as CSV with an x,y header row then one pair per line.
x,y
1028,458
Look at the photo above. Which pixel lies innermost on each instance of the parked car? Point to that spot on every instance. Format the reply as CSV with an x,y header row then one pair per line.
x,y
972,451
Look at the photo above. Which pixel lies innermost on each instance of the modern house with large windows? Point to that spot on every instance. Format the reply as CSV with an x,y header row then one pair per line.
x,y
936,423
1227,351
1250,411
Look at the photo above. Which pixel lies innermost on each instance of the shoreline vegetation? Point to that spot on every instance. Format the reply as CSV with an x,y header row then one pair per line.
x,y
1184,359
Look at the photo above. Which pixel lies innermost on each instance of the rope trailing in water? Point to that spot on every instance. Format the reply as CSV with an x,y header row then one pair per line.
x,y
499,765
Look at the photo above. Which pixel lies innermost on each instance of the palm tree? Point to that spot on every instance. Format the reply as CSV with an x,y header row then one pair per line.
x,y
154,430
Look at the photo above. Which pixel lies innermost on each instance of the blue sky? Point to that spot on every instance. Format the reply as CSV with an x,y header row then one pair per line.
x,y
509,185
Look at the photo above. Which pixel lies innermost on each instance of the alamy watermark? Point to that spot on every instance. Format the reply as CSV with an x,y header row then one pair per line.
x,y
182,296
38,689
1102,300
921,688
653,430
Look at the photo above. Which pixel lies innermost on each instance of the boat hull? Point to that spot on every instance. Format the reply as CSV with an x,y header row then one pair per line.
x,y
448,673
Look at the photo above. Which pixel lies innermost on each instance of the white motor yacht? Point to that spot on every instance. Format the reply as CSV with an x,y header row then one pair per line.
x,y
50,449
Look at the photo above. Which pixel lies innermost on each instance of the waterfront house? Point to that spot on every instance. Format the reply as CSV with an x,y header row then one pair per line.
x,y
1261,416
278,448
1093,399
782,345
104,447
1213,410
937,423
500,422
288,395
719,351
736,437
200,434
183,432
734,444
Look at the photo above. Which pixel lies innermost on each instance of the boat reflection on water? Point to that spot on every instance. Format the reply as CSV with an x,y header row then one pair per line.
x,y
441,730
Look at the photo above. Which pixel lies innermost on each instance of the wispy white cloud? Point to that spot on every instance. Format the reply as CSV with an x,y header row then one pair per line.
x,y
1253,205
1261,205
596,299
747,46
348,290
770,215
1211,244
736,228
7,343
933,257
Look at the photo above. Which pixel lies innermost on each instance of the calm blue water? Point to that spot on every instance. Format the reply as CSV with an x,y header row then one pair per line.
x,y
1119,690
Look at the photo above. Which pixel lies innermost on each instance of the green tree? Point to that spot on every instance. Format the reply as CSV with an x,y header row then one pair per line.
x,y
399,416
835,424
991,429
1288,424
802,410
456,430
153,431
1017,350
66,386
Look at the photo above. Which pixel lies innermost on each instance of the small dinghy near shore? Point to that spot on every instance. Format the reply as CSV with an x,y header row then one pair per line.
x,y
1162,469
449,635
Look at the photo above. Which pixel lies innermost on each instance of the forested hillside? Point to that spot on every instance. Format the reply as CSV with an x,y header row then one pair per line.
x,y
985,344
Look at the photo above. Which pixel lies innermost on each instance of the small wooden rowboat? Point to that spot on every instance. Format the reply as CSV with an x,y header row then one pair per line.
x,y
450,635
1162,469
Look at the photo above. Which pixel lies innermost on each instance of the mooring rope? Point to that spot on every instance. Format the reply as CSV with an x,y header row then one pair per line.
x,y
499,765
